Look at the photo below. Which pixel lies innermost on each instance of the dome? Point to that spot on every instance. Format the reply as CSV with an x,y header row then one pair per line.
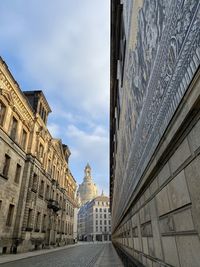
x,y
87,190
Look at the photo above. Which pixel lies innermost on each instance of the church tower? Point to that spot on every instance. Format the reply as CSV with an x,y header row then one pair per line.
x,y
87,190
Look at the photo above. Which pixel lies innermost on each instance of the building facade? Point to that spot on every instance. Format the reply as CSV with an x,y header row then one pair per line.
x,y
37,188
87,190
94,220
155,131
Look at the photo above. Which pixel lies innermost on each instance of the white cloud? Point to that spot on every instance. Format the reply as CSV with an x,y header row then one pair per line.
x,y
92,147
54,130
64,51
62,47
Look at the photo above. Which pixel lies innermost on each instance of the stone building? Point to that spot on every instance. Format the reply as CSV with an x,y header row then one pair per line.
x,y
36,186
87,190
155,131
94,220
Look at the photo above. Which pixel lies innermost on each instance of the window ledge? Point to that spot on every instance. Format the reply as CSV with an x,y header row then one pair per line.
x,y
4,177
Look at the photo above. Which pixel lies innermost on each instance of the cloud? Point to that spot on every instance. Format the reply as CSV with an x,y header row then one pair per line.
x,y
70,48
62,47
54,130
92,147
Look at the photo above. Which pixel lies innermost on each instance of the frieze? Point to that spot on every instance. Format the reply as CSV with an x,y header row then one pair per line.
x,y
7,91
158,73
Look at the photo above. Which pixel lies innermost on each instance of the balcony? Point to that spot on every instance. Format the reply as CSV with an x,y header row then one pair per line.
x,y
53,204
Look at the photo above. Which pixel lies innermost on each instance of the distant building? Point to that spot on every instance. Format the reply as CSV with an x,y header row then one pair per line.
x,y
87,190
37,188
94,220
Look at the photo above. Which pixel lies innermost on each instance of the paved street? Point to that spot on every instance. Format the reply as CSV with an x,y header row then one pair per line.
x,y
87,255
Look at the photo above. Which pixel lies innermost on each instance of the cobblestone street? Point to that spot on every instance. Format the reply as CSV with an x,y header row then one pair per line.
x,y
85,255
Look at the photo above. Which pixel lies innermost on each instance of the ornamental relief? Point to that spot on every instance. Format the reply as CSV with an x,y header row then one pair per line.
x,y
14,101
7,95
158,73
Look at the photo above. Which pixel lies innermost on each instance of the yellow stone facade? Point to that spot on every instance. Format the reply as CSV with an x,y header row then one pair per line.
x,y
37,189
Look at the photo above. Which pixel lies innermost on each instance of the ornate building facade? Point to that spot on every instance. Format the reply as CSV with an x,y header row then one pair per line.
x,y
37,189
155,131
87,190
94,220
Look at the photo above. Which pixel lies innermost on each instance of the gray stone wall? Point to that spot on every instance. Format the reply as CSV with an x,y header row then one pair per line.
x,y
158,56
155,131
162,227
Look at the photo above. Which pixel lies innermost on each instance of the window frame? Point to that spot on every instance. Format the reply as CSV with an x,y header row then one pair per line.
x,y
13,135
6,165
2,118
18,172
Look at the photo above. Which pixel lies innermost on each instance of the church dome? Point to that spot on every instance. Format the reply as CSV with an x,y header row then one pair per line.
x,y
87,189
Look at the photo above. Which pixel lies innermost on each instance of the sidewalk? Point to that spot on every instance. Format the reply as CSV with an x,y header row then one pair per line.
x,y
109,258
14,257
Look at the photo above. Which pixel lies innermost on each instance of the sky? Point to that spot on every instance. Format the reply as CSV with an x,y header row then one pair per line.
x,y
62,48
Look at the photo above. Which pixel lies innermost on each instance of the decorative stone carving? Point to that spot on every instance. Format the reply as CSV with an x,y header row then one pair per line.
x,y
157,74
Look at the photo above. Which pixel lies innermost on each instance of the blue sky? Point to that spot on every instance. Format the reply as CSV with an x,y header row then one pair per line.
x,y
62,47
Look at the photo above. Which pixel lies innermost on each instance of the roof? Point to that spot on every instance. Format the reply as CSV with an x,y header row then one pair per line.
x,y
102,198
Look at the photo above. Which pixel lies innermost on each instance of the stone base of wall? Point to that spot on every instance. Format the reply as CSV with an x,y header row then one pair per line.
x,y
8,246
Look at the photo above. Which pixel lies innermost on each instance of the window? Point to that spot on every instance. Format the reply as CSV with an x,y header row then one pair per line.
x,y
58,227
41,151
101,228
96,229
40,109
34,183
49,166
67,209
96,215
13,129
47,192
100,216
54,172
104,216
17,173
37,222
100,210
24,138
44,223
100,222
41,193
105,222
105,210
0,204
6,165
96,222
10,215
2,113
45,116
96,209
29,221
105,229
58,176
